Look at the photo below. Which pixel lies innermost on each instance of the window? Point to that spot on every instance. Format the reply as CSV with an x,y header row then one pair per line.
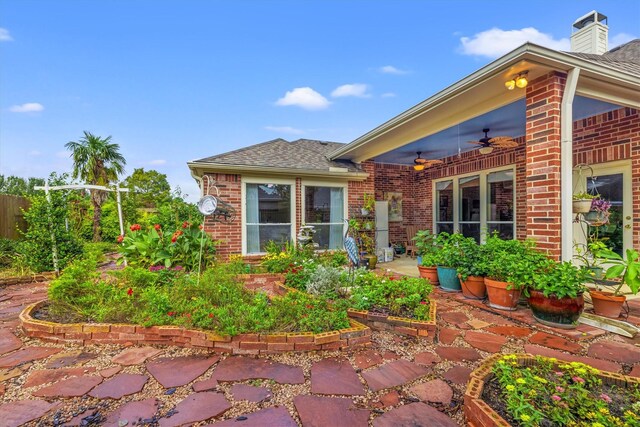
x,y
324,209
469,191
444,206
268,215
500,203
475,204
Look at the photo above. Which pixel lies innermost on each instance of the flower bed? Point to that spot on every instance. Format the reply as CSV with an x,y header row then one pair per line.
x,y
249,343
530,391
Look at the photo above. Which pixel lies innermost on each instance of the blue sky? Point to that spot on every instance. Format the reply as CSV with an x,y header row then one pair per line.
x,y
173,81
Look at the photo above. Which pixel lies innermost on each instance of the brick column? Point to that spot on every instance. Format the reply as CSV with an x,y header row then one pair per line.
x,y
543,99
230,235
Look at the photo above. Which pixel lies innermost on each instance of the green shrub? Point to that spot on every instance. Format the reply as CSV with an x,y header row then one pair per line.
x,y
155,248
42,219
8,249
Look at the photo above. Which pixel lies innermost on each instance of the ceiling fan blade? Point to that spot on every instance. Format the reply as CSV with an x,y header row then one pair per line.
x,y
501,138
505,144
475,142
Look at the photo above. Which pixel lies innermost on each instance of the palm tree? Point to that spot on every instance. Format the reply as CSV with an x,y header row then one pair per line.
x,y
98,162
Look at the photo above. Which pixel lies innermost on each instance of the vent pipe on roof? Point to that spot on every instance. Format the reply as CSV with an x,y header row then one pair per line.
x,y
590,34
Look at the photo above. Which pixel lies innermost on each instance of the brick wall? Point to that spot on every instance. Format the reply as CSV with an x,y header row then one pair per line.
x,y
356,189
230,235
398,179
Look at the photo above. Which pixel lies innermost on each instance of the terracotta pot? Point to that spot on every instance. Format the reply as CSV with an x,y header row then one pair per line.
x,y
581,206
473,287
429,273
500,297
606,304
556,312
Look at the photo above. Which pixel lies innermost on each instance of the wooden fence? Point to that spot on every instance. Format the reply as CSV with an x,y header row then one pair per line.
x,y
11,218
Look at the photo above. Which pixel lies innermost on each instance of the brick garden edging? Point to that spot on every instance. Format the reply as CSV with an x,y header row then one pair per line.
x,y
41,277
400,325
106,333
479,414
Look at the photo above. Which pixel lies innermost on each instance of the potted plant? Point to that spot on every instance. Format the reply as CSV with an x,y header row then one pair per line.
x,y
368,225
471,270
510,270
428,255
582,202
556,296
368,204
369,247
598,215
627,270
451,253
587,255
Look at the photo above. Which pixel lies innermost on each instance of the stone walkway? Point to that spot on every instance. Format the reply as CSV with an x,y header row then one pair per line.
x,y
396,382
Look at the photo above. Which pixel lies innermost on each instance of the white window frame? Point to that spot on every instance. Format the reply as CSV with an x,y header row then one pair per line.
x,y
265,180
345,198
483,198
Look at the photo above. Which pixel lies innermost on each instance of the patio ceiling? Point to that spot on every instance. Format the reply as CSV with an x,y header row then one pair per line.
x,y
508,120
443,123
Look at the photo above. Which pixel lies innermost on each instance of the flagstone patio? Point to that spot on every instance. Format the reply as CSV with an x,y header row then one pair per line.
x,y
398,381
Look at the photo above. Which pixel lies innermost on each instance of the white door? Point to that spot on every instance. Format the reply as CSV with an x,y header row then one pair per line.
x,y
612,181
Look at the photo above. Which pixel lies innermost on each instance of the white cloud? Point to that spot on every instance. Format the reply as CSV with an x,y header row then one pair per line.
x,y
388,95
496,42
358,90
158,162
285,129
390,69
34,153
304,97
619,39
29,107
5,36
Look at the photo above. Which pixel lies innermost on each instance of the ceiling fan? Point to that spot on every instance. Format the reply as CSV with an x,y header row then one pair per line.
x,y
488,144
419,163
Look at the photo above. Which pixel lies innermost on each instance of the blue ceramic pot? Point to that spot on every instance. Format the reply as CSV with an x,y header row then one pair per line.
x,y
448,278
419,257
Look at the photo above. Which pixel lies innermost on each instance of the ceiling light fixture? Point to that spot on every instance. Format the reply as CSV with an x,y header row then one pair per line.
x,y
486,150
519,80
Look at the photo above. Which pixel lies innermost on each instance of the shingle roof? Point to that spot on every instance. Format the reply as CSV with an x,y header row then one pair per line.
x,y
625,57
301,154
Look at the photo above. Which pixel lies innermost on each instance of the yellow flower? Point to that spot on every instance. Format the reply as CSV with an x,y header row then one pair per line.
x,y
510,387
525,418
521,381
591,415
540,380
532,393
597,425
581,371
604,411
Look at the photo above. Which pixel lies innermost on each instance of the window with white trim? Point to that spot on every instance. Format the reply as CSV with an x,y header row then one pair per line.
x,y
476,203
268,215
324,209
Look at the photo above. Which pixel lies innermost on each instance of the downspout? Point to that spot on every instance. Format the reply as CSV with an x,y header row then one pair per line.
x,y
198,180
566,163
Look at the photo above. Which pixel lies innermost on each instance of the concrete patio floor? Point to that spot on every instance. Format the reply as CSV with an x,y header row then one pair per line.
x,y
421,381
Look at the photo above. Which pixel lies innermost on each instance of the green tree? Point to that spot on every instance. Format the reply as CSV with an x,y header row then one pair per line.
x,y
18,186
97,161
149,189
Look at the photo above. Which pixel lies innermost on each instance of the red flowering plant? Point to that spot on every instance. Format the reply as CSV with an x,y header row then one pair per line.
x,y
151,248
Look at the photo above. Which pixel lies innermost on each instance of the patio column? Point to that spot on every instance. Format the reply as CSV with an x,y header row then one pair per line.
x,y
543,162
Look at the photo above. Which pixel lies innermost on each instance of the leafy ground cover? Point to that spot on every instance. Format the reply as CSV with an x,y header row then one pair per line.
x,y
169,296
554,393
324,275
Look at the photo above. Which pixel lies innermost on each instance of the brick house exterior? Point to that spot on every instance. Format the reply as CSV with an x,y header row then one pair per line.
x,y
610,136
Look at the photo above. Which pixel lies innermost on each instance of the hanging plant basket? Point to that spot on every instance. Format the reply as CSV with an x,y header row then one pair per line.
x,y
595,218
581,206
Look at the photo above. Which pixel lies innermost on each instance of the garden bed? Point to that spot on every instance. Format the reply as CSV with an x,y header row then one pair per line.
x,y
401,325
249,343
483,387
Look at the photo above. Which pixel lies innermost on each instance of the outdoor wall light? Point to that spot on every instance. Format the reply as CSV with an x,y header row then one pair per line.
x,y
519,80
